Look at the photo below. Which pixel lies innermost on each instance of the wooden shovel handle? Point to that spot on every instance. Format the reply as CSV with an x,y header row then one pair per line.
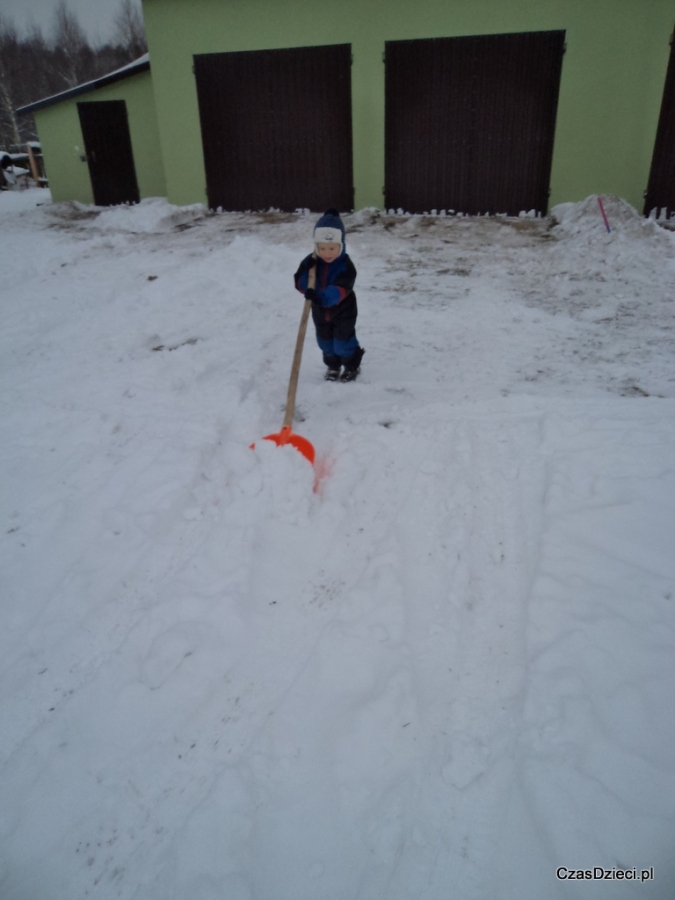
x,y
297,356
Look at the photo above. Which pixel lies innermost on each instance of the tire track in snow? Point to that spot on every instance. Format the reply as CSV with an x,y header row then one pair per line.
x,y
466,557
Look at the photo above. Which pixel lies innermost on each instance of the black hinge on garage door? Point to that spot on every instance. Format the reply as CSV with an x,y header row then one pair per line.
x,y
660,194
470,122
107,144
277,128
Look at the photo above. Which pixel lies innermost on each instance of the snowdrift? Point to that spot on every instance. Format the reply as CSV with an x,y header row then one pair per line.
x,y
446,673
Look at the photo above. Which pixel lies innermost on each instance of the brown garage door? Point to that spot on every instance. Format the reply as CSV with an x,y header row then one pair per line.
x,y
107,143
277,128
661,189
470,122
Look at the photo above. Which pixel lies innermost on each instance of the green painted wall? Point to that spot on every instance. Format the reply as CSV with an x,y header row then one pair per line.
x,y
612,81
62,143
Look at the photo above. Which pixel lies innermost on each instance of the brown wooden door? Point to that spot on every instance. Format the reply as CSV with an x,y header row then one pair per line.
x,y
276,128
107,144
660,194
470,122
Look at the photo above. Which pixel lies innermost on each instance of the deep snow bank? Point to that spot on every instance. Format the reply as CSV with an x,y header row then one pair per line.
x,y
446,672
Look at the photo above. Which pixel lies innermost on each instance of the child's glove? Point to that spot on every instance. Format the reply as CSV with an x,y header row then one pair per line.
x,y
312,294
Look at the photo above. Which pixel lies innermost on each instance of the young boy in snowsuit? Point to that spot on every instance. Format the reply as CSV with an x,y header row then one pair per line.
x,y
333,299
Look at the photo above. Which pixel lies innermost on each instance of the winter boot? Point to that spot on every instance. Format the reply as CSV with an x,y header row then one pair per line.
x,y
353,365
333,364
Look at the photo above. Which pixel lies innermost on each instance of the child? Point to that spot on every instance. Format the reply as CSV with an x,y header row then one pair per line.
x,y
333,300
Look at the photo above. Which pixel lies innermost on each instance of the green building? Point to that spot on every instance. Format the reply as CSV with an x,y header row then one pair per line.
x,y
488,106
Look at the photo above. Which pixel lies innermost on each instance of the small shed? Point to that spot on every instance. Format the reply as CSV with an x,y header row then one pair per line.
x,y
100,140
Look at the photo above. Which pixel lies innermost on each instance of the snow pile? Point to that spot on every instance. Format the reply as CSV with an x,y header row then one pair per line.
x,y
446,672
151,216
584,222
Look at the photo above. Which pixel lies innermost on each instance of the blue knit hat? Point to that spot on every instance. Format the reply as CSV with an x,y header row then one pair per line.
x,y
329,229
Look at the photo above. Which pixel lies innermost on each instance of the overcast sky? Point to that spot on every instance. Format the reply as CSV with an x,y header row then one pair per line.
x,y
95,16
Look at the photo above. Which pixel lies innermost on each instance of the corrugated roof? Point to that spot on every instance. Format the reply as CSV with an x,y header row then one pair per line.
x,y
141,64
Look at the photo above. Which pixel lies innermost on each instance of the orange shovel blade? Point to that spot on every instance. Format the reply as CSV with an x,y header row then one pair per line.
x,y
286,436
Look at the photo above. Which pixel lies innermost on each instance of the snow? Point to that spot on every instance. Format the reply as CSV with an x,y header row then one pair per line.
x,y
447,671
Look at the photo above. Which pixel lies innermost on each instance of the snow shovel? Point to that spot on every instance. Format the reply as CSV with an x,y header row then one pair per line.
x,y
287,435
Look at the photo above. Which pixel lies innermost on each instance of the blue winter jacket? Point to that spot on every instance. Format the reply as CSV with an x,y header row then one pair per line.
x,y
334,281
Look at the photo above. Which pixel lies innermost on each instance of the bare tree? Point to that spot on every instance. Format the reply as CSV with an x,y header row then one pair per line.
x,y
9,128
32,68
35,81
70,45
130,30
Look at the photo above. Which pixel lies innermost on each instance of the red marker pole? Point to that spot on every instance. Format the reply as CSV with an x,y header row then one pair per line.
x,y
604,215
